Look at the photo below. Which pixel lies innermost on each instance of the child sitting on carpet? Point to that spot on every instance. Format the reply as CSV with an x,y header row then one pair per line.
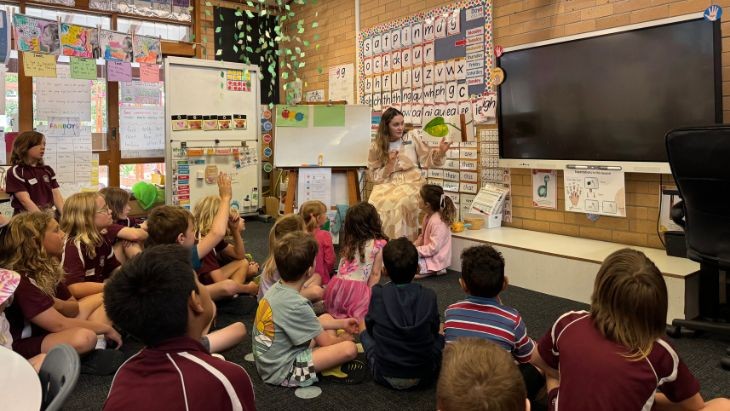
x,y
615,354
290,344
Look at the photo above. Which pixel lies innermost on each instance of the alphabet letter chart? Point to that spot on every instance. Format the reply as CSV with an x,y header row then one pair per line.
x,y
428,62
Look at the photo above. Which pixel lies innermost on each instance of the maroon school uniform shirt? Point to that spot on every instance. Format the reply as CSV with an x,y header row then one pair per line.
x,y
128,222
210,262
28,302
179,374
38,181
80,267
594,375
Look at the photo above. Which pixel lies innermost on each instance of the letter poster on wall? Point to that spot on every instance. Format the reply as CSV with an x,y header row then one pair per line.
x,y
447,51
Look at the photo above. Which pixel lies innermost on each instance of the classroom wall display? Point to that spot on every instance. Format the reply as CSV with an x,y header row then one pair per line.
x,y
141,119
79,41
63,97
342,83
116,46
435,58
35,34
595,190
196,95
147,49
169,9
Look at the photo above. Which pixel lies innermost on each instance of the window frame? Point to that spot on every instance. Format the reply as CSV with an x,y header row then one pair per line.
x,y
111,157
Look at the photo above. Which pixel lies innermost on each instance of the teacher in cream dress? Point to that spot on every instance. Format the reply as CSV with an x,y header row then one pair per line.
x,y
395,161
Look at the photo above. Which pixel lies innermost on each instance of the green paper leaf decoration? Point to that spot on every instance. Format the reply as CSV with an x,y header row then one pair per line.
x,y
249,14
306,43
315,25
249,3
285,75
217,29
219,52
208,4
437,127
208,13
235,48
220,16
316,37
319,70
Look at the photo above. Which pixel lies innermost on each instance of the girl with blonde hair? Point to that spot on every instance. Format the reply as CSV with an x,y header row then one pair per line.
x,y
92,250
240,268
32,247
615,356
290,223
314,213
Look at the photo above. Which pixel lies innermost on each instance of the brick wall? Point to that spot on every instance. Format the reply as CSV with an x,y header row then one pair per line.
x,y
519,22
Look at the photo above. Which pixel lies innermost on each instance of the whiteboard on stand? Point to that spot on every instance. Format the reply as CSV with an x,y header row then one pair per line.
x,y
344,146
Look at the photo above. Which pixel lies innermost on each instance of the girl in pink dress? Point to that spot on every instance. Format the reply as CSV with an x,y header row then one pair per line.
x,y
314,214
348,293
434,242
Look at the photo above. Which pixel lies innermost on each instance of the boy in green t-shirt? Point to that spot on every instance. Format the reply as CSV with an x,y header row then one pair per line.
x,y
290,344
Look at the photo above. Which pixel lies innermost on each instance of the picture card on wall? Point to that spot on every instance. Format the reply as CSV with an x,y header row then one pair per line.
x,y
34,34
118,71
149,73
116,46
82,68
147,49
39,65
79,41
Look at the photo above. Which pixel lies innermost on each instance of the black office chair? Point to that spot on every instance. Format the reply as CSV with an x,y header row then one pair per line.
x,y
59,373
699,158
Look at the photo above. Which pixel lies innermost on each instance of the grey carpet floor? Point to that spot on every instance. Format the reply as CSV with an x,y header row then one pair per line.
x,y
702,353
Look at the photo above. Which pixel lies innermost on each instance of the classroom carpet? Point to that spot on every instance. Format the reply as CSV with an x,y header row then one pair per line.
x,y
701,353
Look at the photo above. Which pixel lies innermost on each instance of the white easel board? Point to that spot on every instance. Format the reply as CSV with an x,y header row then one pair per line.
x,y
198,87
344,146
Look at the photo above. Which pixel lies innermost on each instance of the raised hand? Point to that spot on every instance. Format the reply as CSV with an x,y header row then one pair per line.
x,y
444,145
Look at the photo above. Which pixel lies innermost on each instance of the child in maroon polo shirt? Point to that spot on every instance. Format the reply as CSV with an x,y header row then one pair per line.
x,y
173,371
31,184
614,357
92,250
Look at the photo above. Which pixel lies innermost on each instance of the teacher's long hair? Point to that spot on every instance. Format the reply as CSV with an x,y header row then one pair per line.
x,y
382,141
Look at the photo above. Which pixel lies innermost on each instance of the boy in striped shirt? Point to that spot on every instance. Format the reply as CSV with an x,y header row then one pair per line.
x,y
482,314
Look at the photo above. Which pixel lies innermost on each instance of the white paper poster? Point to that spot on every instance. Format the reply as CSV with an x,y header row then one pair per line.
x,y
68,151
137,92
314,95
342,83
315,184
142,128
545,189
61,97
595,190
485,109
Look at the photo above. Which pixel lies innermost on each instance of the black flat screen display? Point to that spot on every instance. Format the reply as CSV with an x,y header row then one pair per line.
x,y
610,98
